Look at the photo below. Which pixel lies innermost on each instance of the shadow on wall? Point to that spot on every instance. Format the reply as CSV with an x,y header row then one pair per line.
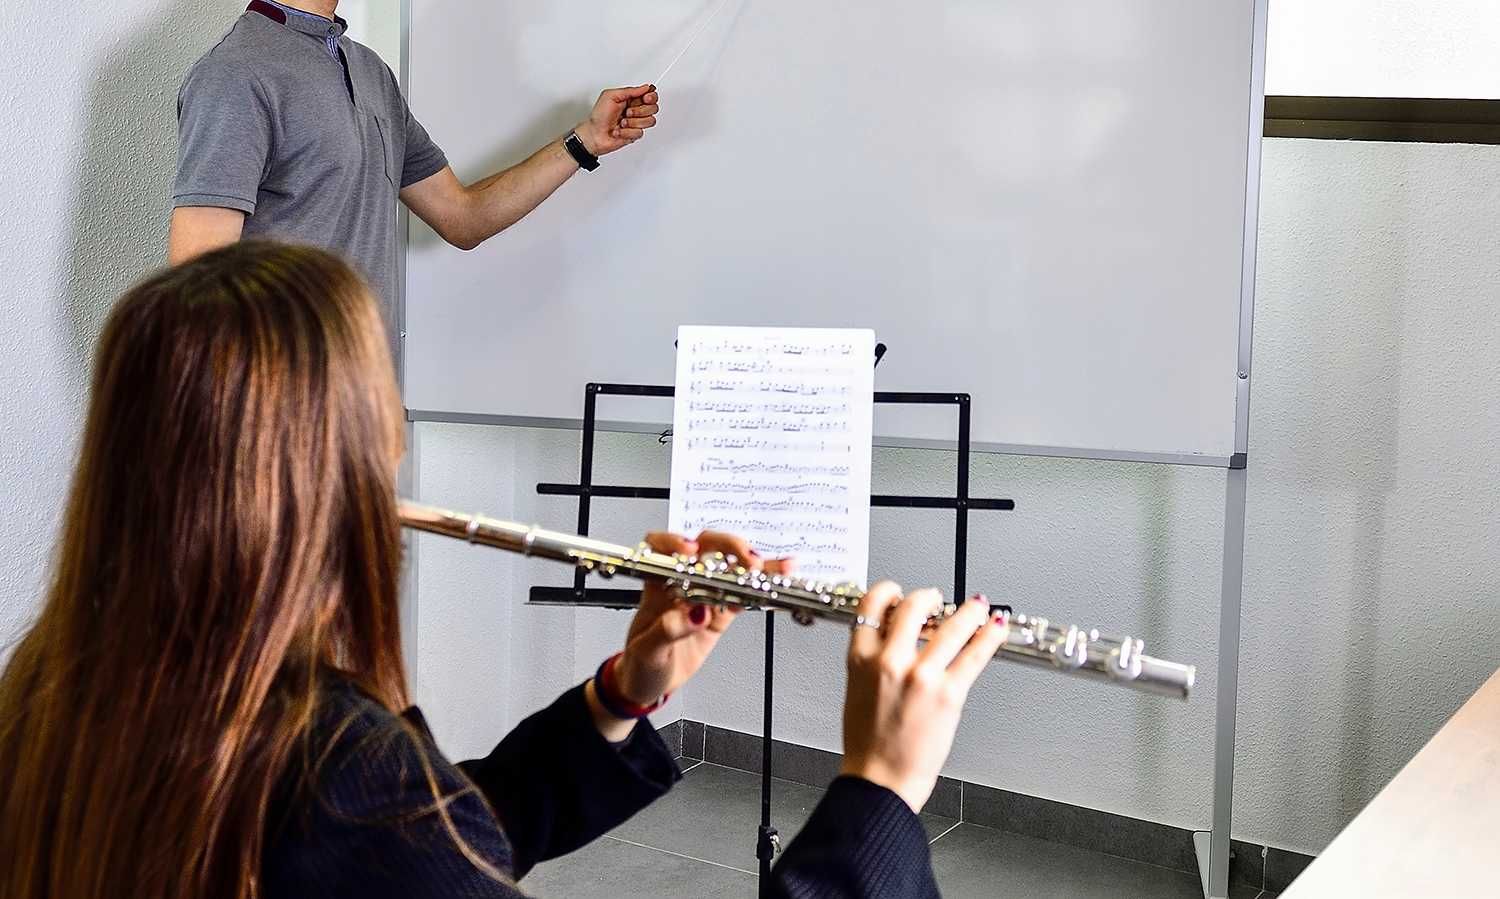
x,y
689,113
1369,379
1333,354
126,163
1154,486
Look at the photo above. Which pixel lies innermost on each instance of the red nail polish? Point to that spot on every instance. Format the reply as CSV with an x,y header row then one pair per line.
x,y
698,615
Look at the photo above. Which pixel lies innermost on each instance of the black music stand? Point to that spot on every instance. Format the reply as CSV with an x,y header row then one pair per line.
x,y
768,841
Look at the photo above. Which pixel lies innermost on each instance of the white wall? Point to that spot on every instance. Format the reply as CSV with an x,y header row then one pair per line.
x,y
377,25
1372,582
1371,578
86,161
86,158
1383,48
1372,604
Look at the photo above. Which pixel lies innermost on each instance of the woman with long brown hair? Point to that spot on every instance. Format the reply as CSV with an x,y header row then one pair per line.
x,y
212,701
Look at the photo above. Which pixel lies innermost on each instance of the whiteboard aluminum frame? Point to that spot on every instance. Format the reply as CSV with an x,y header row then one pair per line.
x,y
1005,449
409,479
1212,847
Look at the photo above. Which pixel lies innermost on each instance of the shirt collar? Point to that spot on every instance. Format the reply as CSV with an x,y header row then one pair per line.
x,y
299,20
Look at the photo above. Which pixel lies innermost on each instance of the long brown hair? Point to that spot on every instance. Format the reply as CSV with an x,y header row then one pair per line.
x,y
230,536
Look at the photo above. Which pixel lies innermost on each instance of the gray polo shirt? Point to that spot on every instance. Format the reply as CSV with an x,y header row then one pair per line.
x,y
314,147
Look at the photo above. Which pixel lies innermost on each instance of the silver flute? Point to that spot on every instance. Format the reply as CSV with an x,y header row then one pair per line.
x,y
716,579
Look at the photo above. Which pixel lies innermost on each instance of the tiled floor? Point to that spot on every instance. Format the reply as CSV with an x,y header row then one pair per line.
x,y
699,841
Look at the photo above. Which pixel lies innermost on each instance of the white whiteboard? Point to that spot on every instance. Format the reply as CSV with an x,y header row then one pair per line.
x,y
1037,202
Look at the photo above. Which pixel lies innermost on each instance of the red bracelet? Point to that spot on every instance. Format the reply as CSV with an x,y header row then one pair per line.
x,y
614,701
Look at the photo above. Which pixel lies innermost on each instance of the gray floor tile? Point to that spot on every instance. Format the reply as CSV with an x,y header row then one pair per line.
x,y
714,815
1283,867
936,825
610,869
979,863
802,764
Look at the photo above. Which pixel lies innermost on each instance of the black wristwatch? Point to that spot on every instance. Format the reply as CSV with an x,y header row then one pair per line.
x,y
581,155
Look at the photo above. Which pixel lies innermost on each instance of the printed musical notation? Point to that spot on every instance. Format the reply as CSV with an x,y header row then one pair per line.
x,y
788,424
701,386
741,442
757,367
772,441
799,343
775,488
742,407
740,466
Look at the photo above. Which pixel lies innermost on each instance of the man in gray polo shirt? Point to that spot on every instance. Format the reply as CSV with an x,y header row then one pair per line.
x,y
289,129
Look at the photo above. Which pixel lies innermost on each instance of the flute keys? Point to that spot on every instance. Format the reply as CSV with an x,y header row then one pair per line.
x,y
1074,650
1125,662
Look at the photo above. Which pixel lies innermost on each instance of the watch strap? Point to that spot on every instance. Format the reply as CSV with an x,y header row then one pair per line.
x,y
581,155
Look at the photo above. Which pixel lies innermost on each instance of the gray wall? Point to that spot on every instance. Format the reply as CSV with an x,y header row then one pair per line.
x,y
1371,577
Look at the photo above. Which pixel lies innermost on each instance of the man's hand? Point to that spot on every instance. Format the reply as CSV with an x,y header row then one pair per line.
x,y
620,118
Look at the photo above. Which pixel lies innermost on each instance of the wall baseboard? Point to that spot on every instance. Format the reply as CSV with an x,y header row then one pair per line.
x,y
1265,867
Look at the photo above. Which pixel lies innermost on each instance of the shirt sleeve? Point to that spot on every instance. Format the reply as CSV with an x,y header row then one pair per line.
x,y
423,156
224,136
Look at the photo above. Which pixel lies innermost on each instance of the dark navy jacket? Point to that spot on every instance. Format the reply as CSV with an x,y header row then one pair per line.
x,y
365,823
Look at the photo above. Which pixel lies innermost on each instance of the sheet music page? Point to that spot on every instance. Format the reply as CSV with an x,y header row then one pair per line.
x,y
771,440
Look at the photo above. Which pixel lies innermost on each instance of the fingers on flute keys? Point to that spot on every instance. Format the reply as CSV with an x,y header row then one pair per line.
x,y
957,650
889,624
952,635
963,646
904,626
868,636
671,544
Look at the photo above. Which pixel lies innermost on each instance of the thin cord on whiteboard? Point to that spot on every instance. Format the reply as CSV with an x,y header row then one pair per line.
x,y
691,41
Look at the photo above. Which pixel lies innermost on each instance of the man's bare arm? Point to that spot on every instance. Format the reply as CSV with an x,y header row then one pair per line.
x,y
200,229
466,216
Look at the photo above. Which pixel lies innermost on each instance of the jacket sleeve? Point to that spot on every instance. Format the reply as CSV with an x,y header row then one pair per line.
x,y
556,784
374,810
862,842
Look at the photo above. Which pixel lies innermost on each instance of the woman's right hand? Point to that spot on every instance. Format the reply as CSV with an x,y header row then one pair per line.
x,y
903,702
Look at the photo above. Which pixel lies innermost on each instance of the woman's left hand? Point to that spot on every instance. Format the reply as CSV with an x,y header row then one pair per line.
x,y
670,638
